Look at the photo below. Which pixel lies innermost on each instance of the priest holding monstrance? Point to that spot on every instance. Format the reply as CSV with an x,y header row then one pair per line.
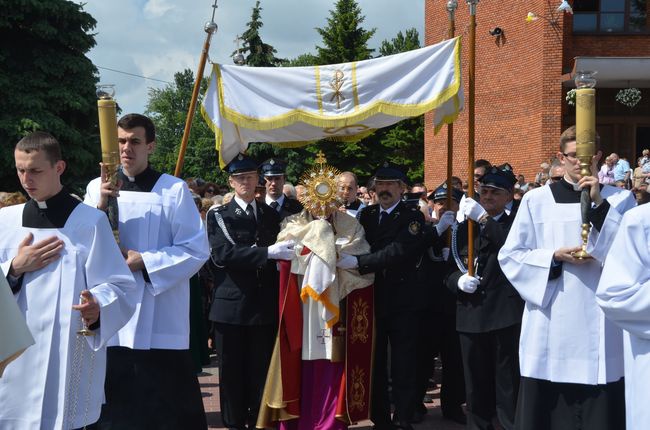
x,y
319,377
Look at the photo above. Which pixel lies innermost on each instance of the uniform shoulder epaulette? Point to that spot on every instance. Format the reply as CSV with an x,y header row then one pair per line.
x,y
218,208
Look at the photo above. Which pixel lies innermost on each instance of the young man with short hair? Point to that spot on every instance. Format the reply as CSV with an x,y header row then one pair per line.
x,y
57,252
150,376
571,356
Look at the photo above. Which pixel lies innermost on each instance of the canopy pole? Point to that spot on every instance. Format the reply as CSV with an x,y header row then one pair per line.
x,y
451,8
470,132
210,28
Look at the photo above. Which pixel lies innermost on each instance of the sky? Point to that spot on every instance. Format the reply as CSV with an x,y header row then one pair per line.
x,y
157,38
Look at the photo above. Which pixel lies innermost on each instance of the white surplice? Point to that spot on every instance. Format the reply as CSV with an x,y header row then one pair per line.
x,y
564,334
42,389
624,295
164,225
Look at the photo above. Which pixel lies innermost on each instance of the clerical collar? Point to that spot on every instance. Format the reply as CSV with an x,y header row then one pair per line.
x,y
569,182
269,200
51,213
143,182
565,192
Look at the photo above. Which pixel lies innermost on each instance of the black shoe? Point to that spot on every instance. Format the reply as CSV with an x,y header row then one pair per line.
x,y
428,398
457,416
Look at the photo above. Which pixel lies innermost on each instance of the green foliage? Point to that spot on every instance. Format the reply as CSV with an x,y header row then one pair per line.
x,y
401,43
344,39
168,108
47,83
303,60
258,53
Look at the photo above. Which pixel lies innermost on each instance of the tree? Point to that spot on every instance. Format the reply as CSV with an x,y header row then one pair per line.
x,y
167,108
303,60
47,83
401,43
344,38
259,54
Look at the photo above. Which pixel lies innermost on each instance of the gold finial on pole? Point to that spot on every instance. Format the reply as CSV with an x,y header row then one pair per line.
x,y
585,144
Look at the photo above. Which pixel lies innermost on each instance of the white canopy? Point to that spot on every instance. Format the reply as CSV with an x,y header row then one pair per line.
x,y
293,106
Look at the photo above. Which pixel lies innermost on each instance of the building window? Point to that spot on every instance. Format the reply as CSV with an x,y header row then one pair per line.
x,y
611,16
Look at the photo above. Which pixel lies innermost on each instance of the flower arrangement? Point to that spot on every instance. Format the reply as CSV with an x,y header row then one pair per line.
x,y
629,97
571,97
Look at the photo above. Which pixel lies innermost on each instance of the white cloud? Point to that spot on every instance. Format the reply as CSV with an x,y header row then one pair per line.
x,y
156,38
157,8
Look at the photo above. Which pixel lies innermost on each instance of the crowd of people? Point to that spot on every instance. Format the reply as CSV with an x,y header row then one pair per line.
x,y
326,302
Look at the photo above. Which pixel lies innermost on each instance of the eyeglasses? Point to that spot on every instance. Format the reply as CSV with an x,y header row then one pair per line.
x,y
571,155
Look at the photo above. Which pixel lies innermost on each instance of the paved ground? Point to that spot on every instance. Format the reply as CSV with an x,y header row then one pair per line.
x,y
210,390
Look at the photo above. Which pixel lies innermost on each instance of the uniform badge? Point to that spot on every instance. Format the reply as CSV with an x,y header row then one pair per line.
x,y
272,162
238,211
414,228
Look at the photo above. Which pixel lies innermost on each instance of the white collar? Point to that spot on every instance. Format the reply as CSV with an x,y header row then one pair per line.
x,y
242,204
41,205
390,209
575,185
269,200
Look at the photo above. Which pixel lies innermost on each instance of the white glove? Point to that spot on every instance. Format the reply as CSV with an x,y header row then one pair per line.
x,y
445,254
282,250
445,221
472,209
347,261
468,284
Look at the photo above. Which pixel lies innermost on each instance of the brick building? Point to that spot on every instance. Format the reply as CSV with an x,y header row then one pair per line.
x,y
523,75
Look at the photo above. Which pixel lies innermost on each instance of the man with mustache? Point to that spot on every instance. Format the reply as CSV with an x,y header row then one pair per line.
x,y
394,231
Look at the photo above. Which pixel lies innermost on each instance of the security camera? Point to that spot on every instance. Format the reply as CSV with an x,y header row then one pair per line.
x,y
496,31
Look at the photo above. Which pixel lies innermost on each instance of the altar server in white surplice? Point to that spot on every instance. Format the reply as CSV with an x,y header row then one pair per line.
x,y
55,250
624,295
150,381
570,355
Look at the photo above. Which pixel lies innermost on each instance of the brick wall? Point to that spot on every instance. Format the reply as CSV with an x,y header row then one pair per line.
x,y
517,88
519,93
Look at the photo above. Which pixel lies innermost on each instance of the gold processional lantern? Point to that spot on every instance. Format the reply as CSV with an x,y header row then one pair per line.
x,y
321,197
585,144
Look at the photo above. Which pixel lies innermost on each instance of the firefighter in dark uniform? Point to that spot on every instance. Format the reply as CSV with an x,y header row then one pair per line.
x,y
242,238
394,231
439,319
489,309
274,173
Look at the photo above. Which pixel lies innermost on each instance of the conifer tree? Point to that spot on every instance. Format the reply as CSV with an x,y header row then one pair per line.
x,y
256,52
344,39
47,83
